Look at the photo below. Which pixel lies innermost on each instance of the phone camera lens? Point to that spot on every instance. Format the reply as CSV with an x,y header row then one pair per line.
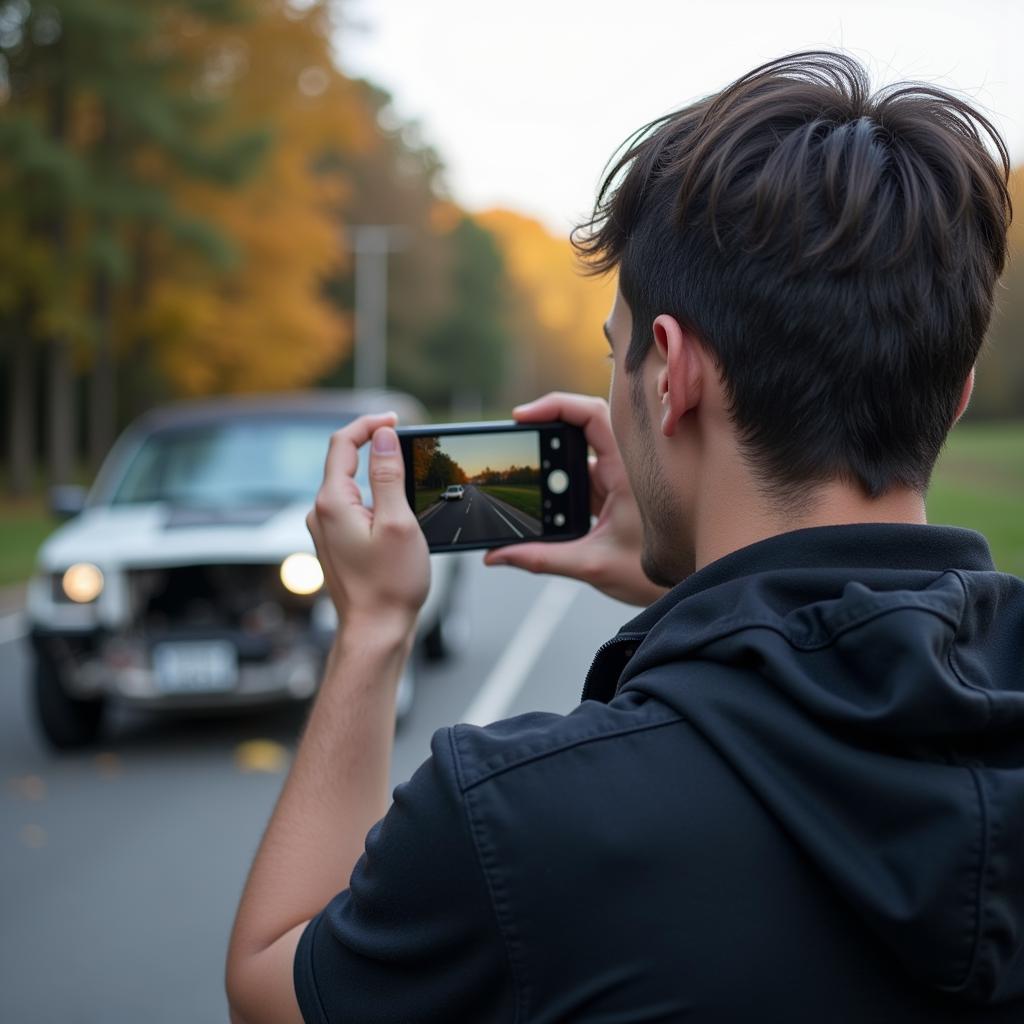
x,y
559,519
556,443
558,481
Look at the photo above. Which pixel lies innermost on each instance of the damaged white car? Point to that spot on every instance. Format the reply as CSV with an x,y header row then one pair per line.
x,y
186,578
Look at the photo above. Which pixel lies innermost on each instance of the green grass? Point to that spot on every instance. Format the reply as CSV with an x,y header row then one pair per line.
x,y
424,499
526,498
979,483
24,525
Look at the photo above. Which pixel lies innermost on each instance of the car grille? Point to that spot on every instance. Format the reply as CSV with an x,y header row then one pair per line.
x,y
245,597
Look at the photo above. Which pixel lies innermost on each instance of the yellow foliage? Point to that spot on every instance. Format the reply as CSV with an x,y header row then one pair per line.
x,y
445,217
561,310
264,324
1016,232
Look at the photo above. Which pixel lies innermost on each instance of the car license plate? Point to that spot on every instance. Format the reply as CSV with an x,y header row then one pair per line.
x,y
201,666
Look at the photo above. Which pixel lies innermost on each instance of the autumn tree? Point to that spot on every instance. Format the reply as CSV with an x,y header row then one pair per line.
x,y
97,95
1000,386
395,180
423,451
442,471
266,321
511,475
554,313
465,354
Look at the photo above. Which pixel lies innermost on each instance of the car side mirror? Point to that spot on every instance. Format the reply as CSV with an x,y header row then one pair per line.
x,y
66,500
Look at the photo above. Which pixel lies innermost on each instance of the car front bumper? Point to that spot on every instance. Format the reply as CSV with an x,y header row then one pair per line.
x,y
263,672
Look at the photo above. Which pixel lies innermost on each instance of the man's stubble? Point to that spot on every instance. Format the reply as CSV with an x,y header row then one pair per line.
x,y
668,550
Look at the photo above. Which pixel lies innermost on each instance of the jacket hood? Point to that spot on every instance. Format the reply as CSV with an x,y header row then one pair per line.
x,y
867,683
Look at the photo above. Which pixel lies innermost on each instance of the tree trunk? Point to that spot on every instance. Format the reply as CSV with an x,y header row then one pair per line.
x,y
102,388
135,386
102,384
61,413
21,433
61,419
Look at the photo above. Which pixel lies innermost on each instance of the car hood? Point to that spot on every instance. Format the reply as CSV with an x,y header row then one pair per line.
x,y
160,534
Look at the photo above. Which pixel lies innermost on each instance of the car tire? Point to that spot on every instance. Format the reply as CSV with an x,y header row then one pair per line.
x,y
448,637
405,696
450,633
67,723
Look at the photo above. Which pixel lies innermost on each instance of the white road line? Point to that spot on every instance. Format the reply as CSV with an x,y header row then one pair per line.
x,y
514,513
507,677
519,520
424,516
514,529
469,506
455,539
12,627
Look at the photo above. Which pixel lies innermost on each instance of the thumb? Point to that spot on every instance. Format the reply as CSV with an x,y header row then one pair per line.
x,y
387,476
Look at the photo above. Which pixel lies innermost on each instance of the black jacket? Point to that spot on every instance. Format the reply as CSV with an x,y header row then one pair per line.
x,y
794,791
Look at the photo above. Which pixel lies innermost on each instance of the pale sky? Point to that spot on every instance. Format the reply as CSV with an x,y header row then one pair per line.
x,y
474,452
527,101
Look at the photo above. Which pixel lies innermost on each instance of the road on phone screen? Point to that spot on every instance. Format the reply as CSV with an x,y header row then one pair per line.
x,y
122,865
476,516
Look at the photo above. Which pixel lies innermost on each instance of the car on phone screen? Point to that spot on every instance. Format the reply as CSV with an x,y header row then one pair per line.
x,y
186,577
454,492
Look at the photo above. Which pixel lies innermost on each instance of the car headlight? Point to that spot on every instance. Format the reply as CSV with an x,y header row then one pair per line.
x,y
82,582
301,573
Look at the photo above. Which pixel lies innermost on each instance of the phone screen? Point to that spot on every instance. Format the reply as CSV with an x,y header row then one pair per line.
x,y
478,488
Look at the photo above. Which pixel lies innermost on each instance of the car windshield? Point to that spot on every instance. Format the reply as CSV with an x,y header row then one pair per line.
x,y
237,462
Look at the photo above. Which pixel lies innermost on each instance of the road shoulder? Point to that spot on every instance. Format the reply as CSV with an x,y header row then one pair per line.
x,y
12,598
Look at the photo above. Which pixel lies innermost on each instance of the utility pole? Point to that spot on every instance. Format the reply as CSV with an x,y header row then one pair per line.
x,y
371,244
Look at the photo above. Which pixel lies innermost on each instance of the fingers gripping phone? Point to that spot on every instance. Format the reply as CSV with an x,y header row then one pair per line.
x,y
483,485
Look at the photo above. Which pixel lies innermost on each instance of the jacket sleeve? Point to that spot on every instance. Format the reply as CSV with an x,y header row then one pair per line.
x,y
414,938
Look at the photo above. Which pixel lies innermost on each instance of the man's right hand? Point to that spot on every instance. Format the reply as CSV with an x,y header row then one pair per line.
x,y
608,557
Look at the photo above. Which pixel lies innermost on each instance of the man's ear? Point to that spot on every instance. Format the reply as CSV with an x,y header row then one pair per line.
x,y
679,378
965,395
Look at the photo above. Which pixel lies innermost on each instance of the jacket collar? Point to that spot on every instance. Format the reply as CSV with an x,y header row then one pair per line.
x,y
856,546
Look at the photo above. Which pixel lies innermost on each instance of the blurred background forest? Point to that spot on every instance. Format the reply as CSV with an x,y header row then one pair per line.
x,y
182,187
181,183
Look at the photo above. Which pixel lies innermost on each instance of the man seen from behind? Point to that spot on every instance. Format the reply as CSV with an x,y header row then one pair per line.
x,y
794,788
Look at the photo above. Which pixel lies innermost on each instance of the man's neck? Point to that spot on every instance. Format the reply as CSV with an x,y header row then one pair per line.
x,y
737,517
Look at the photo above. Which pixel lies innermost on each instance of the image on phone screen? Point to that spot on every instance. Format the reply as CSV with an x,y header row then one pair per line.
x,y
478,488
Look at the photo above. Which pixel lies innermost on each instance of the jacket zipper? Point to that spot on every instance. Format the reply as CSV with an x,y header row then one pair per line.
x,y
633,638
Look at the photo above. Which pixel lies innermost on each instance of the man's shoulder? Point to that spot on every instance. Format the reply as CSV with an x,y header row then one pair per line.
x,y
483,753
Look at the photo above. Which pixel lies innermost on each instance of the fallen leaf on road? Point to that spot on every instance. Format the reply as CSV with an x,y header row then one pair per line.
x,y
261,756
29,787
33,836
108,764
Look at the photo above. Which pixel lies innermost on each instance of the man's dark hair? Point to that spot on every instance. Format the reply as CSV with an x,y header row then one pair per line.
x,y
835,251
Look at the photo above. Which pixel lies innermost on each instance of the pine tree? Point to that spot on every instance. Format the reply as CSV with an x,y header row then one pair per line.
x,y
100,110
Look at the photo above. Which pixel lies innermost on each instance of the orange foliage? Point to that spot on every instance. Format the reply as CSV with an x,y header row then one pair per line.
x,y
560,312
265,324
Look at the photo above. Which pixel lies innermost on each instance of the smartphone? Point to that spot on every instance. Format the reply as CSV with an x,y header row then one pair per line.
x,y
483,485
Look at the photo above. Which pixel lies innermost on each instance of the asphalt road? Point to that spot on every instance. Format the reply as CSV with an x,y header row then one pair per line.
x,y
477,517
120,869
